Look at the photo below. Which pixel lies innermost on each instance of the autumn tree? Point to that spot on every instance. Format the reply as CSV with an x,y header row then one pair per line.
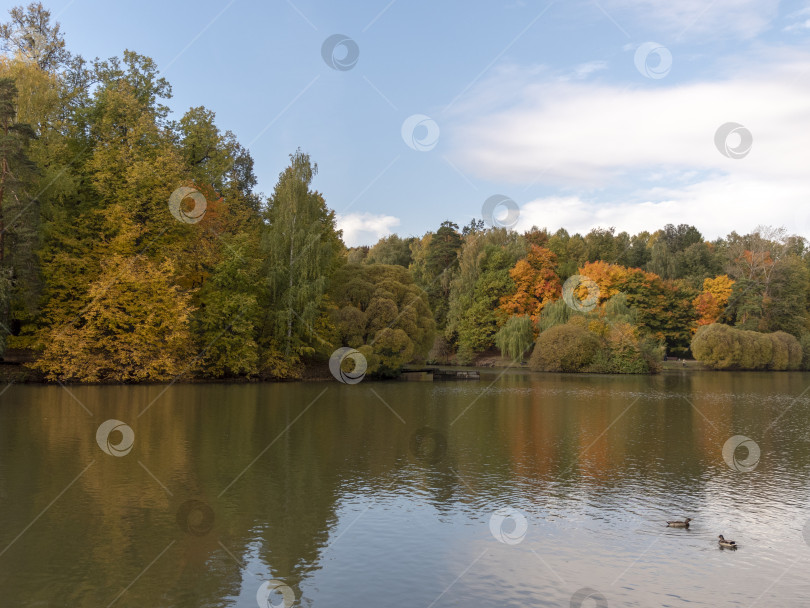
x,y
536,284
711,303
134,328
664,308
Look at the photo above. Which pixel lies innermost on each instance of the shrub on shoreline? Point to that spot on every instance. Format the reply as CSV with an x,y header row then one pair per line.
x,y
595,348
611,335
564,348
723,347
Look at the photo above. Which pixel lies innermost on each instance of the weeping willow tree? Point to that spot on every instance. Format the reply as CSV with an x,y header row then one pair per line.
x,y
515,337
555,313
301,249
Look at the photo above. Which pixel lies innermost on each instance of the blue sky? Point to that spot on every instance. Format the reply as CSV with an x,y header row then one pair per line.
x,y
560,106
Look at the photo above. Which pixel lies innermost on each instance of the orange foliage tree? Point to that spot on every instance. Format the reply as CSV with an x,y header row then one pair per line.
x,y
614,278
712,301
664,308
536,284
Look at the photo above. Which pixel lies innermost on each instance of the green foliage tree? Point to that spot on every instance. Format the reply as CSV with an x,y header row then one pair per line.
x,y
391,250
555,313
379,310
786,306
571,252
227,322
19,215
601,244
481,281
436,265
302,249
804,342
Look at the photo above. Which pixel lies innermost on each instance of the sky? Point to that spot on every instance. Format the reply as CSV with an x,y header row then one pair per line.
x,y
578,114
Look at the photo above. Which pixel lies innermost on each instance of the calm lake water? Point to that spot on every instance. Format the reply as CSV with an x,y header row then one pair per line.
x,y
515,490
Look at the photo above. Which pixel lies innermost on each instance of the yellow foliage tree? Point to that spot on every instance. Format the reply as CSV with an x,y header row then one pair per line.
x,y
134,328
712,301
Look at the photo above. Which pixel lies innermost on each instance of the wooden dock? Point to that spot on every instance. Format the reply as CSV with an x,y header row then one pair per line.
x,y
428,374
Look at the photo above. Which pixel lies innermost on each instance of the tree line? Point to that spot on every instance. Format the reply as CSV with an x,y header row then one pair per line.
x,y
135,247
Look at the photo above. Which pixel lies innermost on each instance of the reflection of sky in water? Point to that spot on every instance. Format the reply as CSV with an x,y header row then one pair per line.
x,y
389,544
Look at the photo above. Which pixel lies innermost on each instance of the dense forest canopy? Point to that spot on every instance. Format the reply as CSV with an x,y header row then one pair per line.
x,y
135,247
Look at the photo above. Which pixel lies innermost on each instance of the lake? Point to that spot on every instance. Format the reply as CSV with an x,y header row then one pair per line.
x,y
519,489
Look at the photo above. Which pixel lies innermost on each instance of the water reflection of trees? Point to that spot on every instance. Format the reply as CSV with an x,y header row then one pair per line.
x,y
538,438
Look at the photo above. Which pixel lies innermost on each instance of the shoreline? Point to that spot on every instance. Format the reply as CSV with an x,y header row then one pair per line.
x,y
17,373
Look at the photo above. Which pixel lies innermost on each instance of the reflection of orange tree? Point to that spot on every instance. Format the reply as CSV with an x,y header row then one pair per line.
x,y
603,434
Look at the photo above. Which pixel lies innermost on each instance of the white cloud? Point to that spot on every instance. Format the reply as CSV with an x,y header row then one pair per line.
x,y
714,206
737,18
365,228
800,20
639,157
583,70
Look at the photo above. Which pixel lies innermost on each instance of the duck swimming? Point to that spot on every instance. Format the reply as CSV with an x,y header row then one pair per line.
x,y
730,544
679,524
